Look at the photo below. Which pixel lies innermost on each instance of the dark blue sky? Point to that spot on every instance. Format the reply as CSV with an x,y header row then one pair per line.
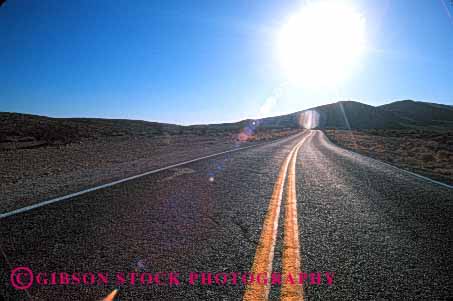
x,y
204,61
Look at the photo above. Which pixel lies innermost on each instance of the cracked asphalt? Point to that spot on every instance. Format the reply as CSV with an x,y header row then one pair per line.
x,y
385,234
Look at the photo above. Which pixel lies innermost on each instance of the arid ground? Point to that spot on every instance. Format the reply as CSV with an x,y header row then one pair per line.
x,y
429,153
41,158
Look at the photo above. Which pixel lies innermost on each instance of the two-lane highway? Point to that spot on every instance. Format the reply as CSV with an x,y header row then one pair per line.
x,y
265,249
386,234
297,204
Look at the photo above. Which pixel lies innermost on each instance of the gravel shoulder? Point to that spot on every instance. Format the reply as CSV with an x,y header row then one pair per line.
x,y
31,175
429,153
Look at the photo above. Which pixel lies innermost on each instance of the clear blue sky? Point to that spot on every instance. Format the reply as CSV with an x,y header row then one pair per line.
x,y
191,62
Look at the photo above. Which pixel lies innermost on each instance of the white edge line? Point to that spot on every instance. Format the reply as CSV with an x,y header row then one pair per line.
x,y
393,166
409,172
62,198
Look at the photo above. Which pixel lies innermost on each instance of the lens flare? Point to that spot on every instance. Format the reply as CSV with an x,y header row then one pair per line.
x,y
111,296
309,119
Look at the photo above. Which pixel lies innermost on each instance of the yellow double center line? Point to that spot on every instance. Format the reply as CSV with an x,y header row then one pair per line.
x,y
264,255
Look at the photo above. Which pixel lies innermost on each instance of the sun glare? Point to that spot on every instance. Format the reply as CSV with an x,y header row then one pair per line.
x,y
321,44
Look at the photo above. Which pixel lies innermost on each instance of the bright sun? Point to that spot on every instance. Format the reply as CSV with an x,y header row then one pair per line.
x,y
321,45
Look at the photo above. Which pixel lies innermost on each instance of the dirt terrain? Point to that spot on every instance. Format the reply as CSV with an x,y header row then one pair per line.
x,y
44,157
429,153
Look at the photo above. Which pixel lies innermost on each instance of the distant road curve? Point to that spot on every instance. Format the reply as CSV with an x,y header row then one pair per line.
x,y
386,232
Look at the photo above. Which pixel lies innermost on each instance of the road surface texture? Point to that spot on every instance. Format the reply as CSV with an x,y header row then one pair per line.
x,y
300,204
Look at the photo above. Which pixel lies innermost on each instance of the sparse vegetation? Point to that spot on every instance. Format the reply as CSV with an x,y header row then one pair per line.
x,y
427,152
19,131
42,157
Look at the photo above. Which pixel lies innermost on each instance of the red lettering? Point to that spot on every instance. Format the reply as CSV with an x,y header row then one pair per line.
x,y
75,278
192,278
41,278
148,276
64,278
224,278
206,277
173,278
120,278
276,278
261,278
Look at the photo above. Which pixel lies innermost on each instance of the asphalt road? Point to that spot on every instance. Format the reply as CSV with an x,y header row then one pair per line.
x,y
383,233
